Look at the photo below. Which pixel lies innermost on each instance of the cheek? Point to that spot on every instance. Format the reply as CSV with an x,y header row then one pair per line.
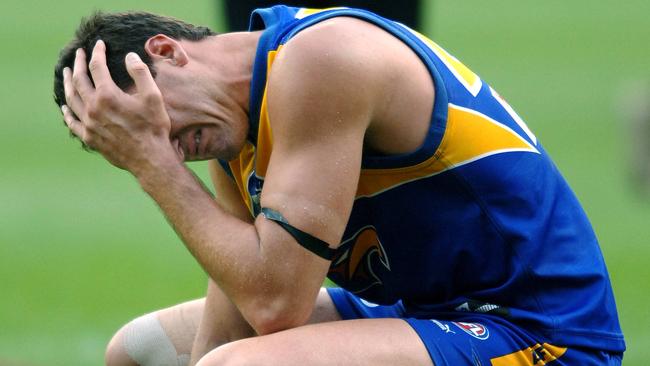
x,y
177,119
181,113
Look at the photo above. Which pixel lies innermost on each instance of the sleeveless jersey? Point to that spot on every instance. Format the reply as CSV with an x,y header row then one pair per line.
x,y
478,219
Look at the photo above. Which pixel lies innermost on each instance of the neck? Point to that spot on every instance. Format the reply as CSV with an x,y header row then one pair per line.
x,y
236,54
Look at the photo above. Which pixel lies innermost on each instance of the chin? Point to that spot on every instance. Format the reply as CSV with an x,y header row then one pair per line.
x,y
227,146
225,152
231,149
229,154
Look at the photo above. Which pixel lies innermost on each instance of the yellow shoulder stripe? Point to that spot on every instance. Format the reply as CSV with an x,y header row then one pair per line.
x,y
467,77
469,136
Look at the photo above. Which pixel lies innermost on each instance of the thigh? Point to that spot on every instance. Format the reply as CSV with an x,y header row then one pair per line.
x,y
373,342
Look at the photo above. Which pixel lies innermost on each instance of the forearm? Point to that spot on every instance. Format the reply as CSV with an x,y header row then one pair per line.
x,y
221,323
215,238
229,249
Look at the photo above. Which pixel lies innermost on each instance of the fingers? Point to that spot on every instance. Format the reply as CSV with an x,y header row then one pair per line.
x,y
80,80
72,98
99,69
91,137
77,128
140,74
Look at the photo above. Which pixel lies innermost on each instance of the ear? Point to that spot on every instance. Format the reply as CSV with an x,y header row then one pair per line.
x,y
163,48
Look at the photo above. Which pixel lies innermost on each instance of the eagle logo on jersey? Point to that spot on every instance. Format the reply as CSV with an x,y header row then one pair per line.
x,y
356,267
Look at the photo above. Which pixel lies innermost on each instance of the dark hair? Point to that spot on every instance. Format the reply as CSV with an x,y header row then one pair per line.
x,y
122,33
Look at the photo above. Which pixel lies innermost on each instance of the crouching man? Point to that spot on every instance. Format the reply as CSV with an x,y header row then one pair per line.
x,y
349,146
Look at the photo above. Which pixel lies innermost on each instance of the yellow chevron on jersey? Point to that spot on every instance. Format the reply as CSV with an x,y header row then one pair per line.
x,y
470,136
486,136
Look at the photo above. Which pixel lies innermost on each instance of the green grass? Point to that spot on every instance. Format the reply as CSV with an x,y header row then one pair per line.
x,y
82,250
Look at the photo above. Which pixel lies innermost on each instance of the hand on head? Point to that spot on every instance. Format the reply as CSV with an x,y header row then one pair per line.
x,y
128,129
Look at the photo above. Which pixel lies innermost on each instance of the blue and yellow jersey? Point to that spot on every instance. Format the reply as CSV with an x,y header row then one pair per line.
x,y
478,219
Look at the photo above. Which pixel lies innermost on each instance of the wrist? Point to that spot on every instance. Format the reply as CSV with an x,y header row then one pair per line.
x,y
159,163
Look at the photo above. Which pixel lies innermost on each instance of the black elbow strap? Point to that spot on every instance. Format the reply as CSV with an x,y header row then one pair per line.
x,y
309,242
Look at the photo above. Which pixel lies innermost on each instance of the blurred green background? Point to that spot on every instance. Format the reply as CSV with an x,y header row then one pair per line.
x,y
83,250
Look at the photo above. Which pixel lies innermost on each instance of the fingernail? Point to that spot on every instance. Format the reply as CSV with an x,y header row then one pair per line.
x,y
98,42
64,108
132,57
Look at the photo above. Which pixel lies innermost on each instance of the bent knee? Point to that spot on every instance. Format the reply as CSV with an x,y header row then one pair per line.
x,y
143,342
115,353
236,353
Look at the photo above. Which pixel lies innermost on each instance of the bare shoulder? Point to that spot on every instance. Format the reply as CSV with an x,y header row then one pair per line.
x,y
333,65
321,100
357,70
343,43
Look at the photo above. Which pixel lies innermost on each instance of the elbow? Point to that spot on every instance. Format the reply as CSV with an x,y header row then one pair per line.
x,y
278,315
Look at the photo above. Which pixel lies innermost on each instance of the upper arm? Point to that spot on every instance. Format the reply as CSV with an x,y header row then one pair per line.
x,y
320,101
319,110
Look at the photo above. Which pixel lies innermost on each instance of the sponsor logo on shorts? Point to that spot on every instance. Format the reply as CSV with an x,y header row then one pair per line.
x,y
476,330
444,327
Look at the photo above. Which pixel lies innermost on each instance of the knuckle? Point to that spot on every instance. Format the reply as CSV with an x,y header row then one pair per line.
x,y
94,111
152,98
91,129
94,65
90,140
76,79
104,99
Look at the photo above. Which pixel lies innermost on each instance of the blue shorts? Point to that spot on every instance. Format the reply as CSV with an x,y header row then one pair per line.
x,y
475,339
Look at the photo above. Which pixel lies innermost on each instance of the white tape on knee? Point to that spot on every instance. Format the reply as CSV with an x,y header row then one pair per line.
x,y
146,342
